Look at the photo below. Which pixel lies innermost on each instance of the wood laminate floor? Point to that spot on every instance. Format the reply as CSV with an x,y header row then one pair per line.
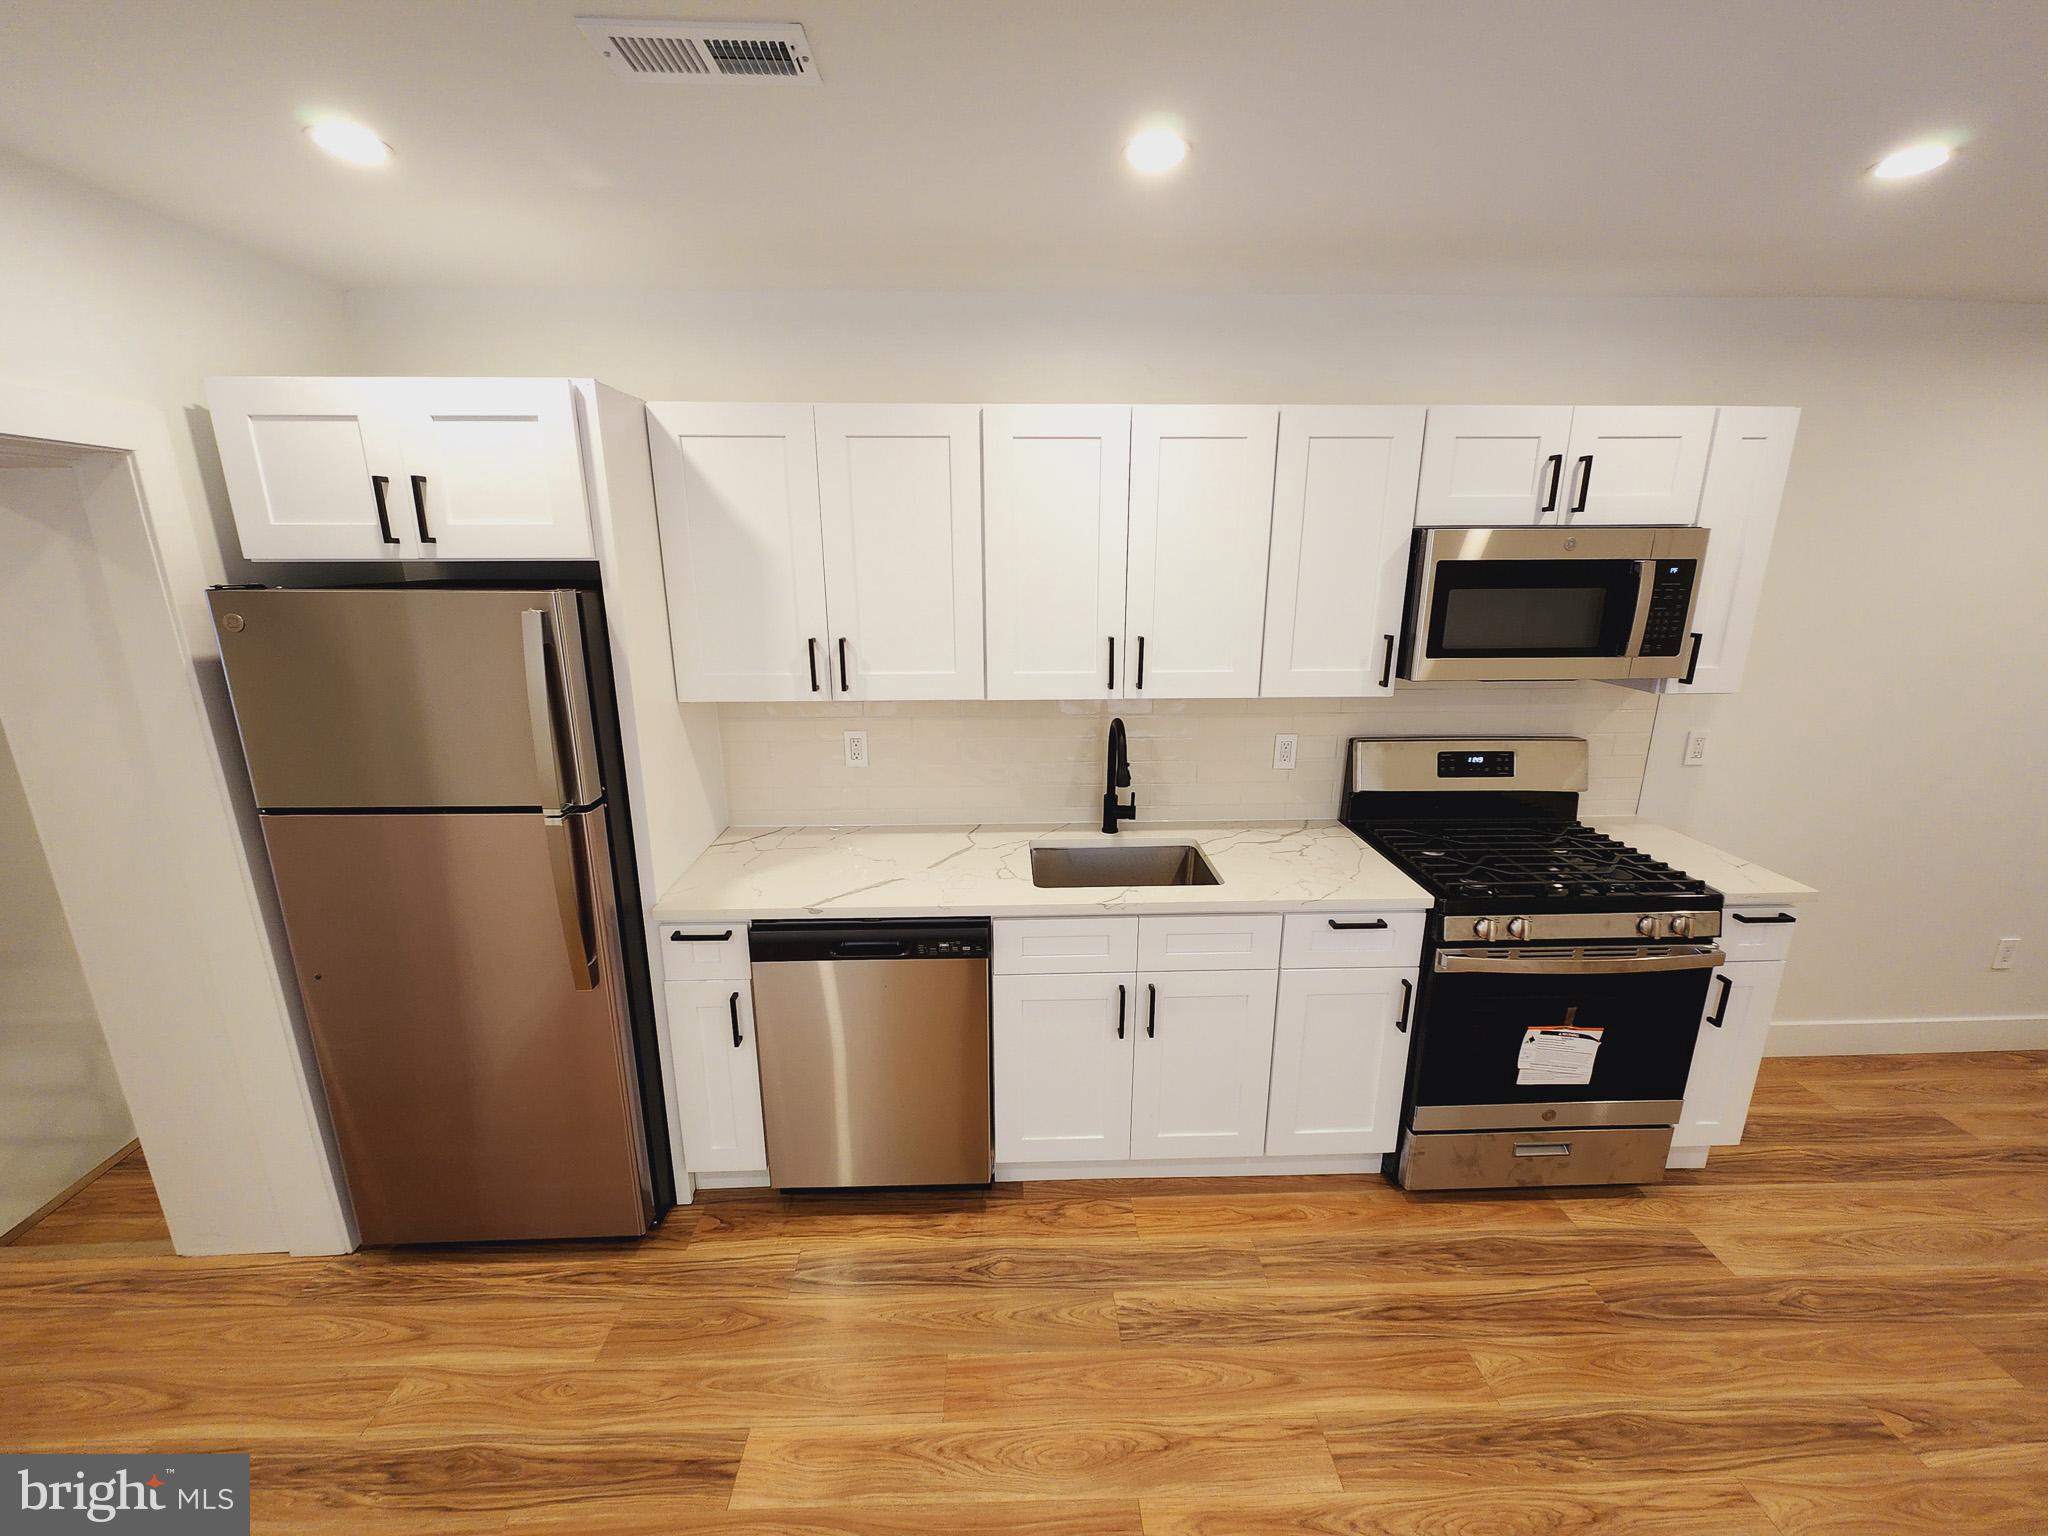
x,y
1841,1326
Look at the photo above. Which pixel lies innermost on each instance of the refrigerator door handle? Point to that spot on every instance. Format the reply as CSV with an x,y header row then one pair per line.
x,y
535,625
577,935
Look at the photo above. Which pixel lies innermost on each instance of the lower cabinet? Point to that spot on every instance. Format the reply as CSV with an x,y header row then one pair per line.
x,y
1199,1087
1063,1048
1740,1001
1340,1053
718,1076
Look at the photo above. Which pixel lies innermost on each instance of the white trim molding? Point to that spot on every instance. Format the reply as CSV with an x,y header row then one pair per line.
x,y
1899,1037
1190,1168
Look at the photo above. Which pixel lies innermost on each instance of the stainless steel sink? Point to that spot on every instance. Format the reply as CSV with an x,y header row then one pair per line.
x,y
1120,865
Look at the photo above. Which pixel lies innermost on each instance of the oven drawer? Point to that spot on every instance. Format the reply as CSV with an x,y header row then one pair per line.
x,y
1509,1159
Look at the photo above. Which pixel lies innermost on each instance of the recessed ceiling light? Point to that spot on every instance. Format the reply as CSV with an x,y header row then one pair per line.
x,y
1914,160
1156,150
349,141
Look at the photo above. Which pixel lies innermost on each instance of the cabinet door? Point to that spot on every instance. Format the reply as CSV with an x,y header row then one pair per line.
x,y
1062,1061
1493,464
718,1087
302,460
1745,483
494,470
899,487
1343,508
1201,520
1340,1049
1725,1061
742,555
1056,498
1204,1059
1636,464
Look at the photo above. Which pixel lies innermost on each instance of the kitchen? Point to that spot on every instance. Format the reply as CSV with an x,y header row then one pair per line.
x,y
1397,696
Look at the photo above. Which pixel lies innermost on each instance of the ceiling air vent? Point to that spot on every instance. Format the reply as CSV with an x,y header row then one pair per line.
x,y
705,51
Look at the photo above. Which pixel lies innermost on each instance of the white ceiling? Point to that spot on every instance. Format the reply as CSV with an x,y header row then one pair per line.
x,y
1419,146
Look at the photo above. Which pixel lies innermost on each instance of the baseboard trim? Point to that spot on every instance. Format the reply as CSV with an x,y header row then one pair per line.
x,y
20,1228
1899,1037
1193,1168
732,1180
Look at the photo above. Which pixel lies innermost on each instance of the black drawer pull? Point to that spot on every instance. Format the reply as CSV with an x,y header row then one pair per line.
x,y
1556,462
1112,663
1378,922
1407,997
845,683
1141,663
1782,917
700,938
1119,1010
1720,1012
1387,666
379,484
734,1004
812,645
419,507
1585,486
1692,667
1151,1011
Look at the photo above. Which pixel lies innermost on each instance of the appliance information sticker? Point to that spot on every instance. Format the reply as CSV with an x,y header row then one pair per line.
x,y
1557,1053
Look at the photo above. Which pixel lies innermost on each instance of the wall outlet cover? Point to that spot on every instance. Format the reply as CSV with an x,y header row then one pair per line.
x,y
1695,748
2002,957
1283,751
856,749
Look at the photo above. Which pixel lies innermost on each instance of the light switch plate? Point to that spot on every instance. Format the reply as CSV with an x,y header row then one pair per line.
x,y
1283,751
856,749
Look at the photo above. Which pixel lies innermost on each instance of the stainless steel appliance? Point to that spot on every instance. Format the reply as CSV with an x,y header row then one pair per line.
x,y
1521,604
1564,974
874,1047
438,774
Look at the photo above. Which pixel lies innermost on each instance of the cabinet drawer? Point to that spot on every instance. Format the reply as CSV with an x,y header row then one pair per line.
x,y
1757,933
1209,943
1069,945
704,951
1351,938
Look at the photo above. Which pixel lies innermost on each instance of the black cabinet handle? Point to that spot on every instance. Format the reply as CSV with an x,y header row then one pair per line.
x,y
378,485
1407,997
1141,663
1378,922
419,507
844,685
1693,665
1721,1008
1387,665
700,938
1119,1010
1556,479
1782,917
734,1004
811,647
1585,485
1151,1010
1112,663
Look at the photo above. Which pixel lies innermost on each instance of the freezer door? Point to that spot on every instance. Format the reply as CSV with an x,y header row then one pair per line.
x,y
471,1027
422,699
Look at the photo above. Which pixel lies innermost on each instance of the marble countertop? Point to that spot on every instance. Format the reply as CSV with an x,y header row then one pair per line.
x,y
1278,866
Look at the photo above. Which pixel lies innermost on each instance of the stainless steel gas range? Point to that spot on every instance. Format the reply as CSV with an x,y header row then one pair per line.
x,y
1564,974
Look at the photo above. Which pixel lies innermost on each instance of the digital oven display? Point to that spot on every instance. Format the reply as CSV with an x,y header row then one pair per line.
x,y
1475,765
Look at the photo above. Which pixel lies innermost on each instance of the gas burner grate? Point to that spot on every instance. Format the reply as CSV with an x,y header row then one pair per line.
x,y
1529,861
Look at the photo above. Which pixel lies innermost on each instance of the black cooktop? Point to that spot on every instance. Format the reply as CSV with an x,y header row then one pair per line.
x,y
1531,863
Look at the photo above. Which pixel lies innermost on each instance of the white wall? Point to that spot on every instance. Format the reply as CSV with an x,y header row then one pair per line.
x,y
1890,743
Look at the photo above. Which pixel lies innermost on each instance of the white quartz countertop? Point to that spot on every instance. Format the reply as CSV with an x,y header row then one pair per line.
x,y
1743,883
986,871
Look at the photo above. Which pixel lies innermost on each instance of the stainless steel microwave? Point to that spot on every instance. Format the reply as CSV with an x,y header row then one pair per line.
x,y
1534,604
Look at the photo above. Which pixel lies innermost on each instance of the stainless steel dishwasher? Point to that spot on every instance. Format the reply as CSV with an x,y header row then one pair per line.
x,y
874,1046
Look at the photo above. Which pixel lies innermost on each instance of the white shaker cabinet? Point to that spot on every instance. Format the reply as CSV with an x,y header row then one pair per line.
x,y
1201,513
1055,489
1733,1032
310,465
1340,1051
1635,464
1204,1053
742,550
1745,484
899,488
1343,507
1493,465
494,470
718,1076
1062,1049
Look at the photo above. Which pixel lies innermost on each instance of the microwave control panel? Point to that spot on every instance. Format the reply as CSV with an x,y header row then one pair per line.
x,y
1670,597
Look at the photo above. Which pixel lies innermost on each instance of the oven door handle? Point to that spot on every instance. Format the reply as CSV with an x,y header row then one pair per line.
x,y
1579,962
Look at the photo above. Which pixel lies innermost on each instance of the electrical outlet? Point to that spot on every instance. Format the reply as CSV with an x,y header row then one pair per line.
x,y
1695,748
856,749
1283,751
2002,956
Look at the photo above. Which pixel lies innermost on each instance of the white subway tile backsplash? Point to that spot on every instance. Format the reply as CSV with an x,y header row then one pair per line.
x,y
1192,759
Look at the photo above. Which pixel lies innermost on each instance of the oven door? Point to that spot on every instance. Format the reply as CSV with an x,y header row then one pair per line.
x,y
1523,604
1543,1037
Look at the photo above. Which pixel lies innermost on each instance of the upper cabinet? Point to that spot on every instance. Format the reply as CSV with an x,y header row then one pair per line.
x,y
1055,491
1343,500
1518,465
403,469
1745,483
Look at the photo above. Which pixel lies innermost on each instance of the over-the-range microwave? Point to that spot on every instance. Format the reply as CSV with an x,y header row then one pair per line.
x,y
1535,604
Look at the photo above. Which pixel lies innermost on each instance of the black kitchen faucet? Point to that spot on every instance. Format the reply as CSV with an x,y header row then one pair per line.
x,y
1119,777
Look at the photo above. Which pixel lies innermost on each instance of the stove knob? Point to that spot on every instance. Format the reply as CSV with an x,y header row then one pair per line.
x,y
1681,925
1647,927
1482,929
1518,927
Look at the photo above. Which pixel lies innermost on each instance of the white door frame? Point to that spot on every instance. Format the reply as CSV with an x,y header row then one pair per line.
x,y
180,939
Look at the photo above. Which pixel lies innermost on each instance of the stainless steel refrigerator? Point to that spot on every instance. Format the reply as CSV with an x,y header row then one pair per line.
x,y
438,775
